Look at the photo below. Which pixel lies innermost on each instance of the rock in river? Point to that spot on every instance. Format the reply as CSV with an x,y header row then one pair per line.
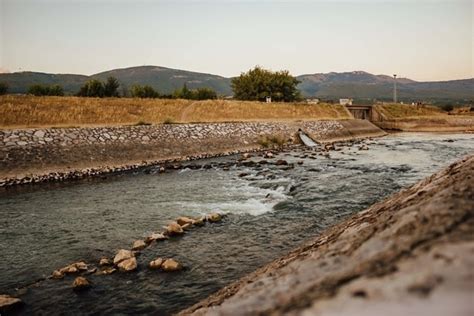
x,y
122,255
156,264
127,265
183,220
104,261
170,265
80,283
174,228
8,303
138,245
155,237
214,217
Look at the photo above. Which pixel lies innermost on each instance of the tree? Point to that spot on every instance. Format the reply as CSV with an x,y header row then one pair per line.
x,y
146,91
258,83
111,87
205,94
38,90
3,88
195,94
56,90
92,88
42,90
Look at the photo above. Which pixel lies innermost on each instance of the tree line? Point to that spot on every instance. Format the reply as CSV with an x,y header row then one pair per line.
x,y
257,84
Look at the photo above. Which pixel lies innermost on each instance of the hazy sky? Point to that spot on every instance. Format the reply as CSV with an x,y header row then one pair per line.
x,y
419,39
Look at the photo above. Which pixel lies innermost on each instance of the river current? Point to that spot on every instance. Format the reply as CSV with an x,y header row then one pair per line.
x,y
270,210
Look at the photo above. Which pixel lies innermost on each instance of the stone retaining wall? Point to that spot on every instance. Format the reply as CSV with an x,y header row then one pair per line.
x,y
24,152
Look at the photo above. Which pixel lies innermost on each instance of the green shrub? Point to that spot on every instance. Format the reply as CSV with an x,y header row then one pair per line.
x,y
3,88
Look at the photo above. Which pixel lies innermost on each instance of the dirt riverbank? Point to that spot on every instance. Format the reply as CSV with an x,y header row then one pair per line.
x,y
410,254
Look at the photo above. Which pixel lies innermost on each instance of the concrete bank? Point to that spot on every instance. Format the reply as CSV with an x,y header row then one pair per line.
x,y
36,155
410,254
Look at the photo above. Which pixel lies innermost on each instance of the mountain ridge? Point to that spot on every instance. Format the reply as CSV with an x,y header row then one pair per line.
x,y
354,84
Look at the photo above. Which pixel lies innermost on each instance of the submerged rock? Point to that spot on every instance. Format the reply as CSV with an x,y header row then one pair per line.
x,y
127,265
107,270
155,237
80,283
281,162
174,228
8,303
183,220
122,255
199,221
138,245
214,217
171,265
156,264
105,262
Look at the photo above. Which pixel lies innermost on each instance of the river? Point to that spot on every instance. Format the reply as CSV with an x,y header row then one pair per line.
x,y
269,211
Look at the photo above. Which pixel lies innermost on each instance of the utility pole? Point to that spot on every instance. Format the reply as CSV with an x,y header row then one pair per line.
x,y
394,88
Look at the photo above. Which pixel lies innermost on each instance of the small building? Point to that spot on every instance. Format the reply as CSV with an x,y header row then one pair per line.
x,y
345,101
312,101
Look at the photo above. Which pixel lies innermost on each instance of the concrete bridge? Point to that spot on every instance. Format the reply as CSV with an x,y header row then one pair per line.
x,y
362,112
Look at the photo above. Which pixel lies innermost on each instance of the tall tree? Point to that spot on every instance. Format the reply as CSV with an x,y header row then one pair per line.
x,y
111,87
92,88
259,83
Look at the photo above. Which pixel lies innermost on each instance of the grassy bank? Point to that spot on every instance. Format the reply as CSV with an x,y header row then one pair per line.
x,y
403,111
30,111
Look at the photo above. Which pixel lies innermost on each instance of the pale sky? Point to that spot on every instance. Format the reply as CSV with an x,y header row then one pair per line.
x,y
418,39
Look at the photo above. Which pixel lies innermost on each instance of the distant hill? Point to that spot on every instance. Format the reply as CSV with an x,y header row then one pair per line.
x,y
166,80
356,84
363,85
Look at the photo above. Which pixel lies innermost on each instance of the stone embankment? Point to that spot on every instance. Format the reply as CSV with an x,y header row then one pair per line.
x,y
37,155
410,254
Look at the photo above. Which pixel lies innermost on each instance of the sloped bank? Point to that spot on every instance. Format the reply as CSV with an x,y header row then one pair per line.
x,y
412,118
36,155
410,254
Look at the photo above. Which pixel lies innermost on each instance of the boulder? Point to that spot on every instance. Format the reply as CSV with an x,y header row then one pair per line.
x,y
57,274
171,265
174,228
156,264
281,162
122,255
70,269
183,220
268,155
214,217
104,261
138,245
155,237
81,266
74,268
107,270
80,283
199,221
127,265
8,303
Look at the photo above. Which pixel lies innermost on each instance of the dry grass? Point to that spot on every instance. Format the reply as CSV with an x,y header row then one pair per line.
x,y
30,111
401,111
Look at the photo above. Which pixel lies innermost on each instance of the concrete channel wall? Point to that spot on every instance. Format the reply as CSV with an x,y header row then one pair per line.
x,y
27,152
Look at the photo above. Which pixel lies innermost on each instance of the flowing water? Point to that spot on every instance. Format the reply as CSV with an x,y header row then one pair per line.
x,y
270,211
